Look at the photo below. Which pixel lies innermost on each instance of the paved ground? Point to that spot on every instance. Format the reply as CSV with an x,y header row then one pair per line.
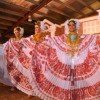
x,y
7,94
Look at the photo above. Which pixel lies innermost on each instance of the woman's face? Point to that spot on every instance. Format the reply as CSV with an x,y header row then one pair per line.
x,y
37,29
17,33
72,26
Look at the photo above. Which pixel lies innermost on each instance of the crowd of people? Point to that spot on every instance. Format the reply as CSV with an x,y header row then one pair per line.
x,y
62,67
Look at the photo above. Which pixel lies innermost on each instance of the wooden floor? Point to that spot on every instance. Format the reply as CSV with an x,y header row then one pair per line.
x,y
7,94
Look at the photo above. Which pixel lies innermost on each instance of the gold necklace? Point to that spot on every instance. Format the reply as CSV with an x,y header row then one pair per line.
x,y
38,37
17,38
73,41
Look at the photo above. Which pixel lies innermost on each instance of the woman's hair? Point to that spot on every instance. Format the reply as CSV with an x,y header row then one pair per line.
x,y
72,21
20,29
37,23
17,28
75,21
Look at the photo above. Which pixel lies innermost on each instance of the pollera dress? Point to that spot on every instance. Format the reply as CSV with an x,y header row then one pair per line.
x,y
48,70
